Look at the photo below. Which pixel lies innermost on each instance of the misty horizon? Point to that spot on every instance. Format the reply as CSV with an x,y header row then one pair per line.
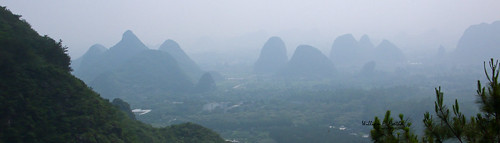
x,y
245,26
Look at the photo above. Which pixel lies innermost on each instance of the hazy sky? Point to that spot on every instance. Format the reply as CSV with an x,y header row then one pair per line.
x,y
81,24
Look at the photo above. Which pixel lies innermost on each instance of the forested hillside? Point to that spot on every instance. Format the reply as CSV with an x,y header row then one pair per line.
x,y
41,101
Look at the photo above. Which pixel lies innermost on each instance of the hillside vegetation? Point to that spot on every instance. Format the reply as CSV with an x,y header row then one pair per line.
x,y
41,101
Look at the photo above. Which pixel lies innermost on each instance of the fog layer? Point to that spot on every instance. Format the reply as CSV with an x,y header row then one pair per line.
x,y
242,26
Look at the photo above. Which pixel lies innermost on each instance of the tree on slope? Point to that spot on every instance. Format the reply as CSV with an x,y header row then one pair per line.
x,y
444,125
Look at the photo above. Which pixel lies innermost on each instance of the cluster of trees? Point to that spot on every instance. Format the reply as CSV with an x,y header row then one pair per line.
x,y
484,127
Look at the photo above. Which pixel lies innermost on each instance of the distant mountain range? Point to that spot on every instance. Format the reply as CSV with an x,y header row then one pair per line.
x,y
307,62
347,53
129,69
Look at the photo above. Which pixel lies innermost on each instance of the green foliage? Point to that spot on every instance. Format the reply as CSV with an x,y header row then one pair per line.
x,y
194,133
484,127
124,107
42,102
392,132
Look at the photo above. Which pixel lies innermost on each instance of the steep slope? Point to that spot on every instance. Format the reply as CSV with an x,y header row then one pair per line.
x,y
272,56
128,46
308,62
151,71
478,43
42,102
124,107
95,51
185,63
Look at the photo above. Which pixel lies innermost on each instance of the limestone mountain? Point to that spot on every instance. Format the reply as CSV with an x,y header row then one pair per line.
x,y
206,83
129,70
111,59
92,54
94,51
128,46
478,43
185,63
272,57
345,50
308,62
386,53
150,71
366,49
347,53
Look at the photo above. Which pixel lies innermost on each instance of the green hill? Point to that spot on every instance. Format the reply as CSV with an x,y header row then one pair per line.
x,y
42,102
